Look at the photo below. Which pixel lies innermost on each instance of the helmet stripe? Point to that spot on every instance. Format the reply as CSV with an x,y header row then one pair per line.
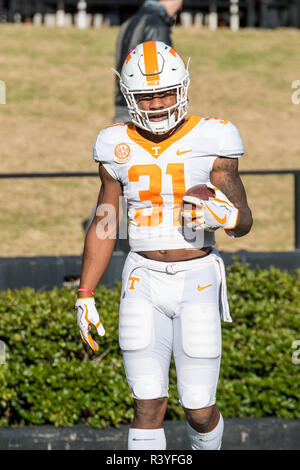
x,y
150,60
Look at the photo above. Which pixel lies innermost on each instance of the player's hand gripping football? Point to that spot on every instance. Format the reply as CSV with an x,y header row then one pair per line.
x,y
205,207
87,315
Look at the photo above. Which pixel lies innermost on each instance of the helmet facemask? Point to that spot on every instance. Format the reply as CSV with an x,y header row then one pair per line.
x,y
175,113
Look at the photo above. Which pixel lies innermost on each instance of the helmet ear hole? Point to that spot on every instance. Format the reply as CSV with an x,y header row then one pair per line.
x,y
154,67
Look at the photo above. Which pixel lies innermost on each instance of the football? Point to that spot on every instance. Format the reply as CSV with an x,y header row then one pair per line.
x,y
201,191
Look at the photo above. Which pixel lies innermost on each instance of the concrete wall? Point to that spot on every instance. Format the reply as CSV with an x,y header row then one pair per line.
x,y
239,434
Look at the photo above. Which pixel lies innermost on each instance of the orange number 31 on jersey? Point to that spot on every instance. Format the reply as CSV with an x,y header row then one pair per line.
x,y
153,194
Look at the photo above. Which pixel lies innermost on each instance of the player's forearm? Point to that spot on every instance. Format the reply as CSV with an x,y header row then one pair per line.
x,y
225,176
96,257
244,223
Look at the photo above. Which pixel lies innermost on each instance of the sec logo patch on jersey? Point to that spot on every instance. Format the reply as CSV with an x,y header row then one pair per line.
x,y
122,153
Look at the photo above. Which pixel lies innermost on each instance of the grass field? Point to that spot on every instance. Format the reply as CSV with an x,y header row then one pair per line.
x,y
60,94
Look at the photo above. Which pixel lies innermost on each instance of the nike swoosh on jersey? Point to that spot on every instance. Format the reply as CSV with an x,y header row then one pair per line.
x,y
221,220
204,287
184,151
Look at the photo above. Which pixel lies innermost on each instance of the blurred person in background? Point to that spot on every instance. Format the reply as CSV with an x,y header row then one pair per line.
x,y
152,22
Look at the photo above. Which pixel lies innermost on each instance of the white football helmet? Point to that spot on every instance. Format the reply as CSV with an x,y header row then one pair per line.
x,y
155,67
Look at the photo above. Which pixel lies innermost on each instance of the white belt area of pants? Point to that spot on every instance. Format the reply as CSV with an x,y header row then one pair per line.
x,y
168,267
179,266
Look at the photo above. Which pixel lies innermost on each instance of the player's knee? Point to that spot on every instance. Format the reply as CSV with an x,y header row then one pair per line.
x,y
195,398
200,419
147,388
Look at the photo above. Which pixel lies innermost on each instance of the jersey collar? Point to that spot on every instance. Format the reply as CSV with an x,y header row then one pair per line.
x,y
157,148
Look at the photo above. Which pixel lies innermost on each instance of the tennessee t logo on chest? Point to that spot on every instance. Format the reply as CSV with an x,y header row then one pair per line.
x,y
155,151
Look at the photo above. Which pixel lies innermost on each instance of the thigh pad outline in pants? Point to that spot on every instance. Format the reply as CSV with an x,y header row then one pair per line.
x,y
198,363
145,373
135,325
201,330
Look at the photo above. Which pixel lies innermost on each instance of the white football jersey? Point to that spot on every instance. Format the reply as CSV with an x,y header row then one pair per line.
x,y
155,176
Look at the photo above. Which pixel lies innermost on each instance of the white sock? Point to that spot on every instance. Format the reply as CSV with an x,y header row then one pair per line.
x,y
209,440
146,439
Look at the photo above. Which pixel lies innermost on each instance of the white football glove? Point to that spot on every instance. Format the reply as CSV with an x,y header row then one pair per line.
x,y
209,215
86,315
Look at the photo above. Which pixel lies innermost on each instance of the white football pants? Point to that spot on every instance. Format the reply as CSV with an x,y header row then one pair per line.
x,y
173,308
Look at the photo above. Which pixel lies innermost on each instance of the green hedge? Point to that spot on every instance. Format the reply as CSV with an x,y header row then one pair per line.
x,y
50,376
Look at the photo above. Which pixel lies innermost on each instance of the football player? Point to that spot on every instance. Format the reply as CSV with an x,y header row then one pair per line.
x,y
173,283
